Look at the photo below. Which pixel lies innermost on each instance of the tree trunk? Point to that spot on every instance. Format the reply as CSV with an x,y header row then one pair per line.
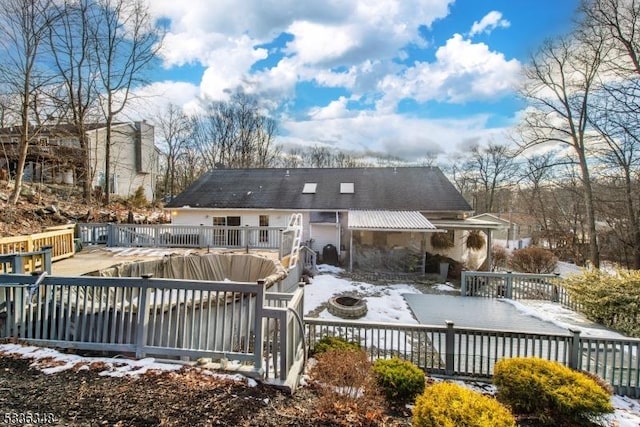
x,y
594,250
24,146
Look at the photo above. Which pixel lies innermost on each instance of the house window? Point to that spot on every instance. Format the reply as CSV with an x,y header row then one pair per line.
x,y
113,182
346,188
219,236
309,188
43,141
263,236
14,140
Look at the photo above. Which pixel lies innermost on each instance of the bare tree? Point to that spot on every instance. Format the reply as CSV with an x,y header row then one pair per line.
x,y
560,80
492,167
614,109
536,173
75,59
618,22
175,131
236,134
614,115
24,25
125,42
320,157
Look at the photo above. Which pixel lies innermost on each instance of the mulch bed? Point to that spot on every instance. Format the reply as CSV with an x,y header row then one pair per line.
x,y
187,397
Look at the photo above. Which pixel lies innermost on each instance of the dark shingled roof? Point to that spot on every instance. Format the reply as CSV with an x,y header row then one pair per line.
x,y
404,188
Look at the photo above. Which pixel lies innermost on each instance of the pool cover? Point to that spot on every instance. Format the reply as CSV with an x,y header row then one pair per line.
x,y
470,312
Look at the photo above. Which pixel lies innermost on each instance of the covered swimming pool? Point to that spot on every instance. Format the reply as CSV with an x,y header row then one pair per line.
x,y
488,313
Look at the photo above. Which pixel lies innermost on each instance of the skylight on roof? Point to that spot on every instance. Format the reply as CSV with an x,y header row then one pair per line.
x,y
346,188
309,188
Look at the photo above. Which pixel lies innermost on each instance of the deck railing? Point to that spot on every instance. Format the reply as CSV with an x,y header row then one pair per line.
x,y
472,352
59,238
227,321
188,236
515,286
26,262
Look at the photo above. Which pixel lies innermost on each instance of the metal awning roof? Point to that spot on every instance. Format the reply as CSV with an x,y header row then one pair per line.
x,y
467,224
410,221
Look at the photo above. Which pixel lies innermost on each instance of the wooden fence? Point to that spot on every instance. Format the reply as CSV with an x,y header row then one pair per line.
x,y
59,239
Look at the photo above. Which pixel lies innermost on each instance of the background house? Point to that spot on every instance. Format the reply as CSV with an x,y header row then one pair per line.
x,y
517,230
374,218
55,156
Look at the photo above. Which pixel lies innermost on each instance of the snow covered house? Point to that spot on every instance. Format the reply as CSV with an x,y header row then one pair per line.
x,y
373,218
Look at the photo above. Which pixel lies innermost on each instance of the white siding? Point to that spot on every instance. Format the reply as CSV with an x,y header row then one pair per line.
x,y
197,216
324,234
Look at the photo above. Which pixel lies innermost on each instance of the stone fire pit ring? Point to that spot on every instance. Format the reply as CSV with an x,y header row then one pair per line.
x,y
347,306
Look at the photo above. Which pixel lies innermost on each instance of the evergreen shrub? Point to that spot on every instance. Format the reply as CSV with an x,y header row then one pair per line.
x,y
450,405
549,391
400,379
608,299
331,343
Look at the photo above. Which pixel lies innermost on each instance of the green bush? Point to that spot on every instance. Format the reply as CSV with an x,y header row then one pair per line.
x,y
400,379
451,405
549,390
533,260
608,299
329,343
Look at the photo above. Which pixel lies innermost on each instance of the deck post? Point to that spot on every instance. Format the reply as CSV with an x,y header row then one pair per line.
x,y
143,316
574,349
258,328
449,346
509,290
46,258
17,264
111,235
463,284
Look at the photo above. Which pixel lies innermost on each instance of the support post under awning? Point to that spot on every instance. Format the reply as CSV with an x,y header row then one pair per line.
x,y
489,260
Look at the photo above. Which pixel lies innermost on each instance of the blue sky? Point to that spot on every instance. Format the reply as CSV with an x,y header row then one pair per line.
x,y
415,79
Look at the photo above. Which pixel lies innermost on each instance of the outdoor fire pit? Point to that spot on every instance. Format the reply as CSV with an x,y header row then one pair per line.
x,y
347,307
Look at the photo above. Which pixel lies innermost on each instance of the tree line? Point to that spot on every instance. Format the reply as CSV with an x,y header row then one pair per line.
x,y
73,62
577,148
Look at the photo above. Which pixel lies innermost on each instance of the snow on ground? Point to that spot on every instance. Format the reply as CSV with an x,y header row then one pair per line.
x,y
51,361
563,318
386,304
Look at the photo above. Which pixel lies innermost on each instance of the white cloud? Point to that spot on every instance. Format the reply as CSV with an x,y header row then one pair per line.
x,y
335,109
151,100
314,43
360,46
488,23
463,71
406,137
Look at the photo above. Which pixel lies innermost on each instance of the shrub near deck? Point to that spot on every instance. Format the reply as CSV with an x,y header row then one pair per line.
x,y
549,391
400,379
451,405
